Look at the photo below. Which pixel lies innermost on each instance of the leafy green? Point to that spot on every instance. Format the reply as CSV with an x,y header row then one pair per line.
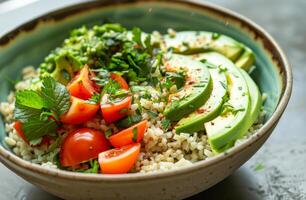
x,y
108,133
29,98
94,99
55,96
165,124
113,48
36,128
38,110
129,121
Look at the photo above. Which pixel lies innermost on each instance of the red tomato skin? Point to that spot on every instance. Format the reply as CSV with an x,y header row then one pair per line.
x,y
81,86
113,112
82,145
79,112
126,136
17,126
119,160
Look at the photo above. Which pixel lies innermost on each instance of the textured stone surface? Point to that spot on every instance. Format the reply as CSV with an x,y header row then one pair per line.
x,y
277,171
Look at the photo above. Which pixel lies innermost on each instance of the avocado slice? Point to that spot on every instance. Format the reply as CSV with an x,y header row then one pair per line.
x,y
229,126
246,60
65,66
211,109
194,93
191,42
256,99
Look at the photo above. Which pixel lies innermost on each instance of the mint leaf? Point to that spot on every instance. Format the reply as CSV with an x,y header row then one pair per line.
x,y
35,128
23,113
29,98
108,133
55,95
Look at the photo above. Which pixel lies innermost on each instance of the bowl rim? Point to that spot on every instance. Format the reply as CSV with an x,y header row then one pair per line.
x,y
8,158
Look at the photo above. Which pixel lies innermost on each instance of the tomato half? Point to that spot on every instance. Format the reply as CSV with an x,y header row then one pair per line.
x,y
130,135
82,145
79,112
114,111
119,160
81,86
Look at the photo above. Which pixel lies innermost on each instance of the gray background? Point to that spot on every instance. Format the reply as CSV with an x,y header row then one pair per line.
x,y
278,170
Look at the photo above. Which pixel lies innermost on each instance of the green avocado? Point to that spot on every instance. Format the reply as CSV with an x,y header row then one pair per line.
x,y
256,100
232,123
194,93
65,66
211,109
246,60
191,42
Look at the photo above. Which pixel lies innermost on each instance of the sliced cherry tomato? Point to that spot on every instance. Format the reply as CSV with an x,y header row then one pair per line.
x,y
120,80
81,86
82,145
130,135
79,112
119,160
114,111
17,126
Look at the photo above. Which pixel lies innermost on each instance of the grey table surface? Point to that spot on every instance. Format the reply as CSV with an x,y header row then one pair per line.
x,y
278,169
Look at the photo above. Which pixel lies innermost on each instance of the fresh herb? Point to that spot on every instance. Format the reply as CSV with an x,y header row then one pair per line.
x,y
165,124
128,121
221,69
152,114
55,96
93,167
175,78
135,134
94,99
223,85
112,48
38,110
108,133
227,107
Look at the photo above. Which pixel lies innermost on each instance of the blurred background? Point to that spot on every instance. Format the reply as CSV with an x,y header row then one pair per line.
x,y
278,170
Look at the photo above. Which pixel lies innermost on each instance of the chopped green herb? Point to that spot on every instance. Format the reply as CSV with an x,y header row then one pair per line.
x,y
128,121
152,114
215,36
135,134
94,99
108,133
165,124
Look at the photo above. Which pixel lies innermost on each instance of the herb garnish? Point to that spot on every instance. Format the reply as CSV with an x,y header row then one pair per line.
x,y
165,124
39,110
135,134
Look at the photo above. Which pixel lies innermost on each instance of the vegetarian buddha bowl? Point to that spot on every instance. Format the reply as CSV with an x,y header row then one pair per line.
x,y
127,103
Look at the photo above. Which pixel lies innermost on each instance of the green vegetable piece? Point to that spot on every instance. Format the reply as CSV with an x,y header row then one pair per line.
x,y
166,124
135,134
36,128
196,90
129,121
66,65
201,41
223,131
211,109
56,96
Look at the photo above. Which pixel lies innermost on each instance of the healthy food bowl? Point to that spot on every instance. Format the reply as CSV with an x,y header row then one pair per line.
x,y
166,97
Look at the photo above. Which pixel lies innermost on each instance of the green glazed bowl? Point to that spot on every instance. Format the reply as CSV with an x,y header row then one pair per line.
x,y
31,42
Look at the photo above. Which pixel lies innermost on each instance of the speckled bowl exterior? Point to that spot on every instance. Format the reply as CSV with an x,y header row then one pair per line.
x,y
31,42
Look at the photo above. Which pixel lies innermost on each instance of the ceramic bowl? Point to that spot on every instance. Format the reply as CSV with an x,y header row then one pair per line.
x,y
32,41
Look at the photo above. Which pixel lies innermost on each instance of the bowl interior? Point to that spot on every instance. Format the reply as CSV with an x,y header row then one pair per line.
x,y
35,42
